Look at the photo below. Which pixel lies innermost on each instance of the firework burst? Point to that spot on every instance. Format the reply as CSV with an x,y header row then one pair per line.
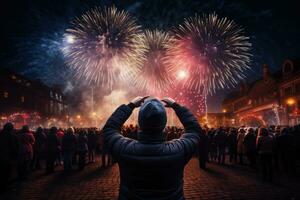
x,y
103,45
154,76
211,50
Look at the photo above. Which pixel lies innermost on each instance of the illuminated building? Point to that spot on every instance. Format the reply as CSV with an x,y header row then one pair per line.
x,y
21,95
272,100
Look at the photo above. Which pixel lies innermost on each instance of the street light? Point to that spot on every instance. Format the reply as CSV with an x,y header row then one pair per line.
x,y
290,101
224,119
78,116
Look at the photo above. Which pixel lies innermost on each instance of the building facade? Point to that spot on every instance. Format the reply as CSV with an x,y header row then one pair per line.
x,y
272,100
24,98
217,119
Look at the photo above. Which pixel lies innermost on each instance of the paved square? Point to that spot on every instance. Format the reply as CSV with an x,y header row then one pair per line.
x,y
217,182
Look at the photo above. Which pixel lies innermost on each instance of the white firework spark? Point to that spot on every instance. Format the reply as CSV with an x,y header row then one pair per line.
x,y
154,76
102,46
213,52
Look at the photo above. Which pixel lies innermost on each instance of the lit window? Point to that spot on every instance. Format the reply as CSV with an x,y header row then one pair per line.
x,y
22,99
5,95
13,77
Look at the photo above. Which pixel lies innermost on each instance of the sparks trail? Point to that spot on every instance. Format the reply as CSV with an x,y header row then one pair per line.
x,y
154,75
102,46
213,52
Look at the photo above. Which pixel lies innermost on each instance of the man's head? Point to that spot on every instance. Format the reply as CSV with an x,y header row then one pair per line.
x,y
70,130
8,128
152,116
25,129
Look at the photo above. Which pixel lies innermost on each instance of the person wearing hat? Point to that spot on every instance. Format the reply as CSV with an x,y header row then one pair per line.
x,y
151,167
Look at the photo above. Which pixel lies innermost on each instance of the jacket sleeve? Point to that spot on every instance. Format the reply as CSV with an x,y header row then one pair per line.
x,y
113,140
193,132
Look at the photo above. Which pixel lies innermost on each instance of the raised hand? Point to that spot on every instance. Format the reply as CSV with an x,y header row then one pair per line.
x,y
137,101
168,101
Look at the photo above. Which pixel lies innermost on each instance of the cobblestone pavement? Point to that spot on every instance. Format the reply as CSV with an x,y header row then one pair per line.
x,y
217,182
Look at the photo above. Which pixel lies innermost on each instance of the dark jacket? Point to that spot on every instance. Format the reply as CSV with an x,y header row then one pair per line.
x,y
250,143
40,140
151,168
52,143
92,140
69,141
26,142
9,147
82,143
232,141
220,138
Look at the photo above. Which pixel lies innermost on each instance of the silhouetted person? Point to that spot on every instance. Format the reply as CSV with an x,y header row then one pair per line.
x,y
203,151
52,149
220,140
68,147
297,142
59,135
38,148
232,145
92,143
8,154
105,155
212,145
250,147
286,150
276,154
264,145
150,167
26,141
82,149
240,145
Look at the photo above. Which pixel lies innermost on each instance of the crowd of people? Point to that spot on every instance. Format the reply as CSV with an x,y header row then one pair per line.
x,y
46,149
268,149
274,148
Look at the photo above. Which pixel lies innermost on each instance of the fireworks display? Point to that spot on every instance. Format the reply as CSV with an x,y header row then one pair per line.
x,y
103,45
154,76
203,54
193,100
107,49
209,53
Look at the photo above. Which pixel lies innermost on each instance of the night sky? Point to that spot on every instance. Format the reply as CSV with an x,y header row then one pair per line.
x,y
31,31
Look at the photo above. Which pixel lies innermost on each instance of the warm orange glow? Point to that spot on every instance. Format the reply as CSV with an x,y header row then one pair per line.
x,y
78,116
290,101
224,110
94,114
